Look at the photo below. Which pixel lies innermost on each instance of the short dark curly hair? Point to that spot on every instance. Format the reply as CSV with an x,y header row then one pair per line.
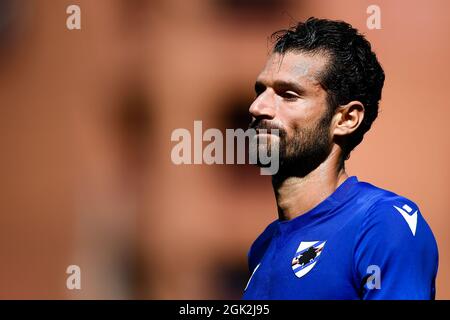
x,y
353,71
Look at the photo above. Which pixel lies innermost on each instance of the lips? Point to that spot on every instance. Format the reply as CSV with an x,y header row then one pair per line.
x,y
264,127
264,131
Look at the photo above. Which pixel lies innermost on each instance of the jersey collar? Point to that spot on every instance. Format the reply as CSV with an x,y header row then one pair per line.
x,y
322,209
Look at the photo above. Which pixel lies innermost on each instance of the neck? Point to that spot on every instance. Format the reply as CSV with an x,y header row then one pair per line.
x,y
297,195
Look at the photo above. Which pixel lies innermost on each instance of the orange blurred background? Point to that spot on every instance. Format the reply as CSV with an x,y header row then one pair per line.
x,y
86,118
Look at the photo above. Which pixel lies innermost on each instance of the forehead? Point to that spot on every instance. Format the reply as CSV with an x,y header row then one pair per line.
x,y
294,66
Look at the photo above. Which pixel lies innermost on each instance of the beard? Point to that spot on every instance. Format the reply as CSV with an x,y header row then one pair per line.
x,y
302,151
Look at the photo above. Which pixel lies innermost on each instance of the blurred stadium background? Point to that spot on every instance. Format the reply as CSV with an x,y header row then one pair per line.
x,y
85,124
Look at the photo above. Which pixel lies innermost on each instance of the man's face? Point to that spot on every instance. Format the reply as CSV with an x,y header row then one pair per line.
x,y
291,99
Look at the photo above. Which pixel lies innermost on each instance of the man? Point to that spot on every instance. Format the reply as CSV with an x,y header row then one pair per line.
x,y
335,237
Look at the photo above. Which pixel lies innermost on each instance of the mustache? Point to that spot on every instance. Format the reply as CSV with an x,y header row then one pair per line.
x,y
263,124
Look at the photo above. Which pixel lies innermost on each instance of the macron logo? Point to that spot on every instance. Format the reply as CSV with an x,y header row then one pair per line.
x,y
411,220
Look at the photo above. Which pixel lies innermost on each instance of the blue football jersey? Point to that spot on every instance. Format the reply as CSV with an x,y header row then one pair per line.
x,y
362,242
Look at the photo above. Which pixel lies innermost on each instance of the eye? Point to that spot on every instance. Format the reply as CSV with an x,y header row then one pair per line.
x,y
290,95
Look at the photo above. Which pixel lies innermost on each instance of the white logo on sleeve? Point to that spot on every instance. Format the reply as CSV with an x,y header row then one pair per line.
x,y
411,220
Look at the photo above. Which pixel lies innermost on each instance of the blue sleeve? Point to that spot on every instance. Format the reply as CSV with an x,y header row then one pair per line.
x,y
395,253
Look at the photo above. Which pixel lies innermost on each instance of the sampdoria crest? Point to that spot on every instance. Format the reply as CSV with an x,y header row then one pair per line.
x,y
306,257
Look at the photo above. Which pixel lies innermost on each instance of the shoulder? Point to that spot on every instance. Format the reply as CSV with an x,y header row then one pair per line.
x,y
394,224
394,215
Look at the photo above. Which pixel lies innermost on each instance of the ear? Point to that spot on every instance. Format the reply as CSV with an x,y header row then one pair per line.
x,y
348,118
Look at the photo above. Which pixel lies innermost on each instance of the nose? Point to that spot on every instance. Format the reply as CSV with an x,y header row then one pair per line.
x,y
263,106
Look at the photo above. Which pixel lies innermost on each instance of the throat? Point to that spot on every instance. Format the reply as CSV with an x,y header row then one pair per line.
x,y
295,196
